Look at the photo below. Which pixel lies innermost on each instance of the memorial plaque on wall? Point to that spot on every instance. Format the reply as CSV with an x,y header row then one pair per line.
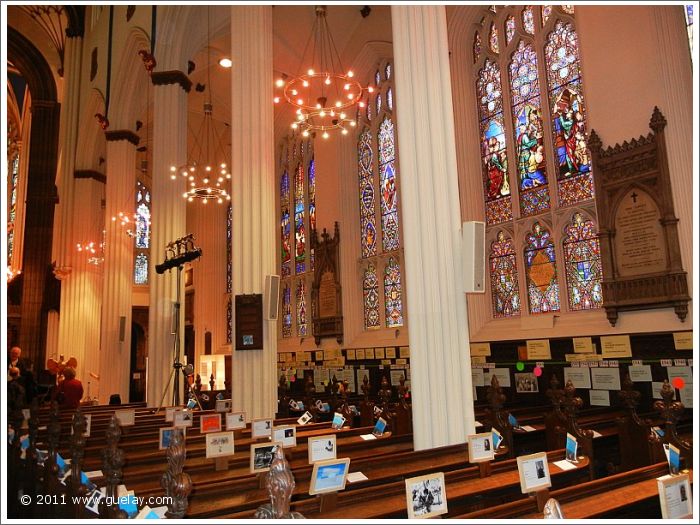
x,y
249,322
326,298
638,229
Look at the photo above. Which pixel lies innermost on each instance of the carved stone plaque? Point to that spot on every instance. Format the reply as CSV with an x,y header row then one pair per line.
x,y
327,305
327,296
639,238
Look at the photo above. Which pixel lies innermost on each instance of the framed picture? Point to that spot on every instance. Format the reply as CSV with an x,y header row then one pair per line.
x,y
338,421
533,470
286,434
183,418
379,427
304,419
209,423
219,444
261,428
322,448
170,413
224,405
126,418
166,436
526,383
480,447
571,448
329,476
88,424
235,420
675,495
261,456
426,496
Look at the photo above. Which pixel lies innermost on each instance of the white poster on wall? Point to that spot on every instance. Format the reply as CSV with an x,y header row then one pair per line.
x,y
640,373
605,378
502,374
580,377
477,377
600,398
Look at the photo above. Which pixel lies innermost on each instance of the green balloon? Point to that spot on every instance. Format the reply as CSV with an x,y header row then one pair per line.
x,y
520,366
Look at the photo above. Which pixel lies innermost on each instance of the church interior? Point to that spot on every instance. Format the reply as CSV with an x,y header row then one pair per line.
x,y
384,261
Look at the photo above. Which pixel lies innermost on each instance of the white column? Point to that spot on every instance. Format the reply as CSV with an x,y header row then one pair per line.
x,y
167,224
115,344
81,291
253,189
443,411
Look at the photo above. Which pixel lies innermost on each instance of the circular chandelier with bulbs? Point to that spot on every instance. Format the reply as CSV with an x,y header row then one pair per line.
x,y
325,93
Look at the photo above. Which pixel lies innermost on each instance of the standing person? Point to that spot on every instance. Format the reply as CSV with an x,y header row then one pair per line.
x,y
26,377
70,391
15,391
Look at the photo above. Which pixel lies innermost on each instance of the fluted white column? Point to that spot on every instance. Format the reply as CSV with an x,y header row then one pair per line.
x,y
167,224
63,242
115,350
443,412
81,292
253,190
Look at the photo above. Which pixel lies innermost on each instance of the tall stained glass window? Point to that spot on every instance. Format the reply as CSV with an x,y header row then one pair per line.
x,y
504,277
541,271
564,85
529,131
229,320
689,26
531,109
583,267
297,217
493,144
229,254
142,233
378,186
12,211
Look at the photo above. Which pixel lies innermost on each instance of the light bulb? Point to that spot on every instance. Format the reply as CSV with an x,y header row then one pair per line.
x,y
345,131
325,135
206,181
295,125
322,114
190,199
191,168
222,165
338,103
318,105
310,71
361,104
173,168
351,74
279,82
350,95
228,176
352,123
184,195
208,168
370,89
294,92
173,177
208,190
184,174
346,87
342,115
191,177
305,133
204,201
220,179
228,197
332,113
225,62
220,200
327,81
276,100
306,83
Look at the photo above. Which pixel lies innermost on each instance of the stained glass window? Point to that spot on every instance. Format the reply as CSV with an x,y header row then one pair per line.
x,y
299,228
529,131
285,225
229,255
493,144
286,311
689,26
568,9
493,38
510,28
141,269
143,216
387,180
546,11
312,207
370,292
476,48
568,114
301,308
387,71
504,278
379,103
583,267
529,20
377,78
392,293
369,110
390,99
367,213
229,321
541,271
12,213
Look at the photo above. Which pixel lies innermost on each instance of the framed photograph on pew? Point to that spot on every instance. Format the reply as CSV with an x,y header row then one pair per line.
x,y
321,448
170,413
285,434
219,445
223,405
426,496
329,476
261,428
166,436
675,496
126,418
88,424
533,470
261,456
480,447
235,420
183,418
209,423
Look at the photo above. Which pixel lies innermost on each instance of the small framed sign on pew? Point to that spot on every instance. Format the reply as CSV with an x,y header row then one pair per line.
x,y
675,496
285,434
88,424
533,471
223,405
322,448
261,428
219,445
235,420
329,476
166,436
126,418
183,418
170,413
426,496
261,456
209,423
480,447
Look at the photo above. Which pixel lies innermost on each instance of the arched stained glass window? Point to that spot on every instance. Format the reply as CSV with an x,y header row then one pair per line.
x,y
229,254
510,28
229,321
583,267
142,233
493,144
568,9
390,99
286,311
529,131
546,12
379,103
377,78
387,179
368,226
312,208
568,115
285,225
299,227
493,38
689,26
370,292
392,294
387,71
301,308
504,277
476,47
12,211
541,271
528,20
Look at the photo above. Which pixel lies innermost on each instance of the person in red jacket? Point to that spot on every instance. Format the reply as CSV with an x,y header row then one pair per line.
x,y
70,391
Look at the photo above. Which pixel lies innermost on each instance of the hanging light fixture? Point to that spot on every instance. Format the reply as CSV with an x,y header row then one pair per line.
x,y
95,251
207,168
323,92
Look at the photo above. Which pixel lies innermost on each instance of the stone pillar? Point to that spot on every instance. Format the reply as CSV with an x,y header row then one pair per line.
x,y
115,343
443,411
253,190
167,224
